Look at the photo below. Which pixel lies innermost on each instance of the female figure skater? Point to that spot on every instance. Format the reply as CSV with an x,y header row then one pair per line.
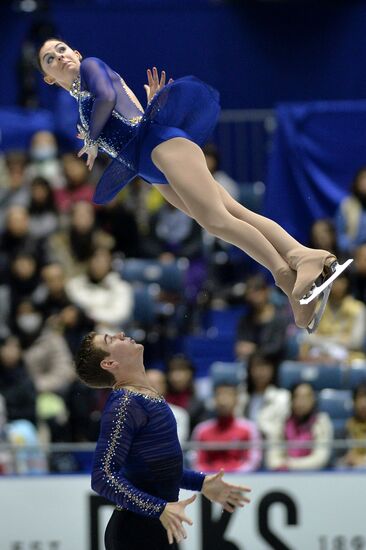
x,y
162,145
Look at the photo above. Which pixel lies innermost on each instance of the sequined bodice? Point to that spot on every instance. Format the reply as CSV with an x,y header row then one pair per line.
x,y
138,462
106,111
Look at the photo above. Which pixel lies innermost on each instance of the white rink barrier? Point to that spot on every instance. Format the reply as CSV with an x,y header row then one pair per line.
x,y
289,511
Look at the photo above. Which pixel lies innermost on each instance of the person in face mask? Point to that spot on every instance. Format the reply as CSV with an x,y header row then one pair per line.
x,y
351,215
46,354
42,209
23,277
44,159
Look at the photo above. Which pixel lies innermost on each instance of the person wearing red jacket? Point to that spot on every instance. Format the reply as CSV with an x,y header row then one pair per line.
x,y
225,427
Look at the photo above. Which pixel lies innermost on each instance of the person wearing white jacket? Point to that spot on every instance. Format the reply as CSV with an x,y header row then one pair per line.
x,y
102,294
262,402
304,425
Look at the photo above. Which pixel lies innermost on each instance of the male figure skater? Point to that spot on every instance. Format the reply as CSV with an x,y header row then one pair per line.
x,y
138,461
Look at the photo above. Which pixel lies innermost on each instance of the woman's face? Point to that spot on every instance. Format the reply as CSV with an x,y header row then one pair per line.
x,y
262,374
59,62
303,400
179,376
322,235
360,407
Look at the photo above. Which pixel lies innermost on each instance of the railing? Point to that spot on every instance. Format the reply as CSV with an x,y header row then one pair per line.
x,y
244,139
195,446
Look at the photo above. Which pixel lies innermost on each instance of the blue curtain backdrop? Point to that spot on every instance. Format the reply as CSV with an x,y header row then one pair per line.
x,y
317,149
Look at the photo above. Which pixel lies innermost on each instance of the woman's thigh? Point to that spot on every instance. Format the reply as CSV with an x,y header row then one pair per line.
x,y
184,165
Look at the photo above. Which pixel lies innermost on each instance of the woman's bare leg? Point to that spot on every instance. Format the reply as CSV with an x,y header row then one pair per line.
x,y
281,240
171,196
184,165
193,190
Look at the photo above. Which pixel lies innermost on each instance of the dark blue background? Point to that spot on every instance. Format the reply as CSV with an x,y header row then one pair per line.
x,y
255,53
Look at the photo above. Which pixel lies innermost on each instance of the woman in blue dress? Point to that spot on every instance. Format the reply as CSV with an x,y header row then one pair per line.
x,y
162,146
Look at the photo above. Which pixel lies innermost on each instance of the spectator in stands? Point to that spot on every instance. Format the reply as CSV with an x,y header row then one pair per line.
x,y
264,403
58,309
16,386
44,159
5,301
263,327
42,210
356,430
173,232
77,186
84,406
18,238
213,162
157,379
341,332
181,390
323,235
225,427
23,278
13,189
101,293
172,235
304,425
143,201
46,355
358,275
114,218
6,459
74,245
351,215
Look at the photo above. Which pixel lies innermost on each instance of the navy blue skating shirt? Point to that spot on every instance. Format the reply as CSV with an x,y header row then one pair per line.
x,y
138,462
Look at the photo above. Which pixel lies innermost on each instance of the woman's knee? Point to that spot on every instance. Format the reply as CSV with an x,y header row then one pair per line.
x,y
173,152
213,222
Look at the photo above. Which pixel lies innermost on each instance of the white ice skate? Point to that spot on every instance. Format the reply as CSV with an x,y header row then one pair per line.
x,y
323,289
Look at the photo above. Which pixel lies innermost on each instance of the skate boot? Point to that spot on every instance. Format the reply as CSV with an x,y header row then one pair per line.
x,y
316,270
285,279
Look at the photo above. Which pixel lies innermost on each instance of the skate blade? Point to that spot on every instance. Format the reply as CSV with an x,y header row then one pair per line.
x,y
319,289
313,325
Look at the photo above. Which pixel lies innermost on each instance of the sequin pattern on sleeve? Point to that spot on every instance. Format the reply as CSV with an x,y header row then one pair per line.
x,y
113,445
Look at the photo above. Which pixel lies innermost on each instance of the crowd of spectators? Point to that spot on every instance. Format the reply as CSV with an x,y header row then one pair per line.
x,y
60,278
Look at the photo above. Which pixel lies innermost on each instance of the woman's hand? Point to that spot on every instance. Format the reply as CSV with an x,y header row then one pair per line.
x,y
91,151
173,517
229,496
154,85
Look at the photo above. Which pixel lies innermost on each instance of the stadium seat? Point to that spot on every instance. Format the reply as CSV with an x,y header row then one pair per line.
x,y
338,404
203,351
144,304
227,372
319,376
170,276
356,376
224,320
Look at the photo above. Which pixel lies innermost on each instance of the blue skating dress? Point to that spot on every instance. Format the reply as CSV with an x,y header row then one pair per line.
x,y
138,462
186,108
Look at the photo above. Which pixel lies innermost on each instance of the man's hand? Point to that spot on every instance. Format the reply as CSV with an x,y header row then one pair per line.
x,y
229,496
154,84
173,517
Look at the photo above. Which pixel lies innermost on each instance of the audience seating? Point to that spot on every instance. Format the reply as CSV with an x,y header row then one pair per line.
x,y
319,376
233,372
339,405
169,276
356,376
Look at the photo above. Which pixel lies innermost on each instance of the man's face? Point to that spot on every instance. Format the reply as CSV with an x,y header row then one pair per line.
x,y
121,348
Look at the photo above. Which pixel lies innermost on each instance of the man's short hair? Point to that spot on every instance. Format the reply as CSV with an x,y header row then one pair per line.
x,y
87,364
